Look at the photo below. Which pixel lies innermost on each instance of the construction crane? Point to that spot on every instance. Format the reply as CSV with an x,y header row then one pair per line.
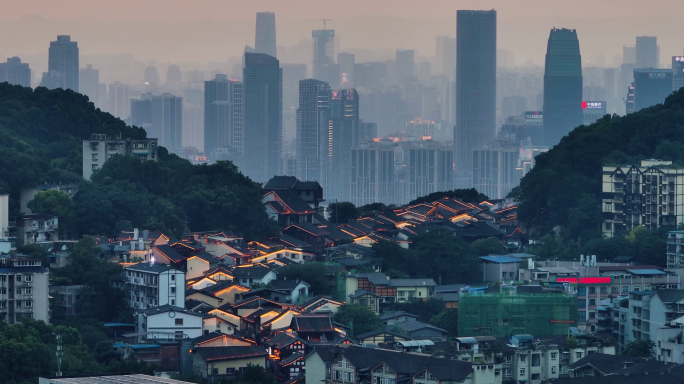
x,y
323,20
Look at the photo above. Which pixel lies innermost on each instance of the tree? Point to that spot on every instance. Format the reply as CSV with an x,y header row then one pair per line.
x,y
342,212
444,257
361,318
313,274
57,203
467,195
488,246
639,348
584,219
424,309
447,320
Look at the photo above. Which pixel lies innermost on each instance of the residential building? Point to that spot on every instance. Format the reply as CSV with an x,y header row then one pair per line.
x,y
24,290
475,75
372,173
219,362
562,85
223,114
501,314
166,120
15,72
5,245
445,52
149,285
63,59
359,364
408,289
265,37
313,115
254,274
89,84
599,368
168,322
417,330
430,168
419,128
651,310
263,105
310,192
675,249
70,298
649,194
37,228
53,80
297,290
647,52
118,99
366,299
651,87
113,379
98,149
323,54
495,168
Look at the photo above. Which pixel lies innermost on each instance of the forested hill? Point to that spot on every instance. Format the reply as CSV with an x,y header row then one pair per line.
x,y
41,140
565,184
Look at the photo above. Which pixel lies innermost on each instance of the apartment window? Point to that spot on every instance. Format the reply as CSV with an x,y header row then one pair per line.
x,y
592,315
523,358
604,289
554,355
582,303
3,291
173,277
554,369
401,293
507,372
230,371
173,302
3,304
581,291
28,278
18,278
28,303
18,291
522,371
592,290
582,316
18,303
28,291
214,371
173,290
179,321
578,355
592,301
625,288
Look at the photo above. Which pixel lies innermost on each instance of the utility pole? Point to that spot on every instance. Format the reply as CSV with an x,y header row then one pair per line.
x,y
59,353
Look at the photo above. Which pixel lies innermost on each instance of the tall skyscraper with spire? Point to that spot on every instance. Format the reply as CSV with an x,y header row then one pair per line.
x,y
263,109
312,123
63,60
323,54
475,87
265,33
562,85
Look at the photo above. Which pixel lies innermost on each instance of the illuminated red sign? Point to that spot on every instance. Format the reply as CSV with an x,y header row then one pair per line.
x,y
584,105
584,280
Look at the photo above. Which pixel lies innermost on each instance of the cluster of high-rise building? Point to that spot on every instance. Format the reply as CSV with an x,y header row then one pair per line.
x,y
378,130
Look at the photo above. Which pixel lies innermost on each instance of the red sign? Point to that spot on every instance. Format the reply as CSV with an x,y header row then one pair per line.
x,y
563,321
584,280
584,105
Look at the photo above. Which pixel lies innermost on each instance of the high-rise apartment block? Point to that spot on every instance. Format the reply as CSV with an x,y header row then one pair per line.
x,y
323,55
647,52
405,65
15,72
650,194
119,103
223,114
263,105
63,59
495,168
651,87
313,116
445,50
161,116
372,173
429,168
562,85
98,149
475,84
89,84
346,62
265,41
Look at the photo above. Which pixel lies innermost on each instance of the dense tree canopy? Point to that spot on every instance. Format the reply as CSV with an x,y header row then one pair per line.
x,y
41,140
313,274
468,195
564,186
342,212
361,318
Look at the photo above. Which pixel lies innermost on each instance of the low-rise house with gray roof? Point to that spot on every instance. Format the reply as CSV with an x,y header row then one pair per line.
x,y
408,289
168,322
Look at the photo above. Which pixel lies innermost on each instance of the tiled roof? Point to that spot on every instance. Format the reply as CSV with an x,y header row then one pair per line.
x,y
149,267
281,182
230,353
283,340
293,202
412,283
254,271
169,252
312,323
288,285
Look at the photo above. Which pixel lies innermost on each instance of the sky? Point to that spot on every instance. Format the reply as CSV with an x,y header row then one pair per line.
x,y
213,30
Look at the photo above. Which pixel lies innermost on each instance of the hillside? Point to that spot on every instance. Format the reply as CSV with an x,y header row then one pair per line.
x,y
41,135
564,186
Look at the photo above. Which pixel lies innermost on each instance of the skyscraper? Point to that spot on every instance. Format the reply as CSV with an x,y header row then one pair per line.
x,y
562,85
161,116
446,56
475,85
372,173
651,87
63,59
323,54
346,62
263,105
119,100
223,112
341,135
265,41
405,65
677,72
312,122
15,72
647,52
430,168
89,84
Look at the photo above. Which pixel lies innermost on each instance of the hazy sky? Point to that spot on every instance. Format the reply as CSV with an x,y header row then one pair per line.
x,y
213,30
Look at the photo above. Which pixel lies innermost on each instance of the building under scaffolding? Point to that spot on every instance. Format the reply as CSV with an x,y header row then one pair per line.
x,y
506,314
